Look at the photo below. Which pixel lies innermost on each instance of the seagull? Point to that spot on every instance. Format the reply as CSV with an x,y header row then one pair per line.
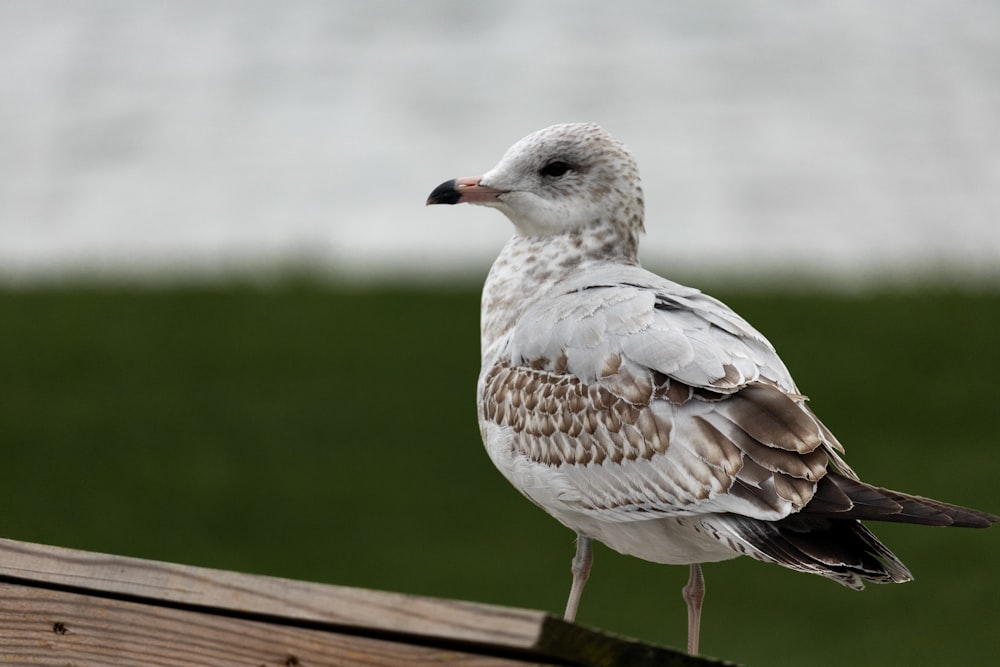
x,y
645,414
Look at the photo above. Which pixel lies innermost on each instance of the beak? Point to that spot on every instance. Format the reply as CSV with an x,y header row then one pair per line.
x,y
463,190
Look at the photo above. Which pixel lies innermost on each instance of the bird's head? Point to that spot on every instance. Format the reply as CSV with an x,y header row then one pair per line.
x,y
562,179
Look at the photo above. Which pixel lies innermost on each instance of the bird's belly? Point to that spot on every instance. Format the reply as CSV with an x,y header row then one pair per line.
x,y
672,541
669,540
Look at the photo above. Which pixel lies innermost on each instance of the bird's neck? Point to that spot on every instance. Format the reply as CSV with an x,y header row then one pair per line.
x,y
529,267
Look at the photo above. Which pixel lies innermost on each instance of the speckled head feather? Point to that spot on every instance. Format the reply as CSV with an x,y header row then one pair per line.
x,y
568,178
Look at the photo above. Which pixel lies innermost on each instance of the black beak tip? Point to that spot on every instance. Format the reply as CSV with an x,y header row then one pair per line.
x,y
446,193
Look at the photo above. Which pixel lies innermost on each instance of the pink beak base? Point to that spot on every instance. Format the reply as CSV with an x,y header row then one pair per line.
x,y
463,190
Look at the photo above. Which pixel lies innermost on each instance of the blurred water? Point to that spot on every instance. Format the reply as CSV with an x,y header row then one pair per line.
x,y
841,140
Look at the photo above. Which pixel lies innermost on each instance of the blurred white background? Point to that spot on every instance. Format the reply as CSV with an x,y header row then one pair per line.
x,y
847,141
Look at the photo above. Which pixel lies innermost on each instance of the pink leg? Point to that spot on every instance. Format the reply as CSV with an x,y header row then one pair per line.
x,y
694,594
581,570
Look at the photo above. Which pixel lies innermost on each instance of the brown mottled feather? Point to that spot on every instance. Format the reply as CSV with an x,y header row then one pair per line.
x,y
758,444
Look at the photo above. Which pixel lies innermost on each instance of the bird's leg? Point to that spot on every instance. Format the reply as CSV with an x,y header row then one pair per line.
x,y
581,570
694,593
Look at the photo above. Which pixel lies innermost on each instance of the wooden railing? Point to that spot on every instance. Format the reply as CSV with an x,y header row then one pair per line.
x,y
67,607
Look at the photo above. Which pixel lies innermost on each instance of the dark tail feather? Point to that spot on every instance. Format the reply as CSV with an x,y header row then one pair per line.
x,y
844,551
839,497
827,537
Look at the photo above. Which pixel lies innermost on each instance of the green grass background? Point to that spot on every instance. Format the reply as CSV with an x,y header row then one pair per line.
x,y
329,434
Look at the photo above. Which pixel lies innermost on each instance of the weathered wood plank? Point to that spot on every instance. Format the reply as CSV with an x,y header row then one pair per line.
x,y
393,613
47,627
62,606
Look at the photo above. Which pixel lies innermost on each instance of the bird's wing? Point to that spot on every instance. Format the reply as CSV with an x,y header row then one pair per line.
x,y
640,398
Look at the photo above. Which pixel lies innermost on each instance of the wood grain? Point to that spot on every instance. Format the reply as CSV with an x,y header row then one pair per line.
x,y
66,607
46,627
185,585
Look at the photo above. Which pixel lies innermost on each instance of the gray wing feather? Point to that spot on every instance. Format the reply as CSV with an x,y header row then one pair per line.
x,y
654,322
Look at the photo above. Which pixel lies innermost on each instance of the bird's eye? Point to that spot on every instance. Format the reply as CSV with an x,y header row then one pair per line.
x,y
555,169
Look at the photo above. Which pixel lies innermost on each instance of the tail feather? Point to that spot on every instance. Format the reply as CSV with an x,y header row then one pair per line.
x,y
841,497
844,551
827,537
